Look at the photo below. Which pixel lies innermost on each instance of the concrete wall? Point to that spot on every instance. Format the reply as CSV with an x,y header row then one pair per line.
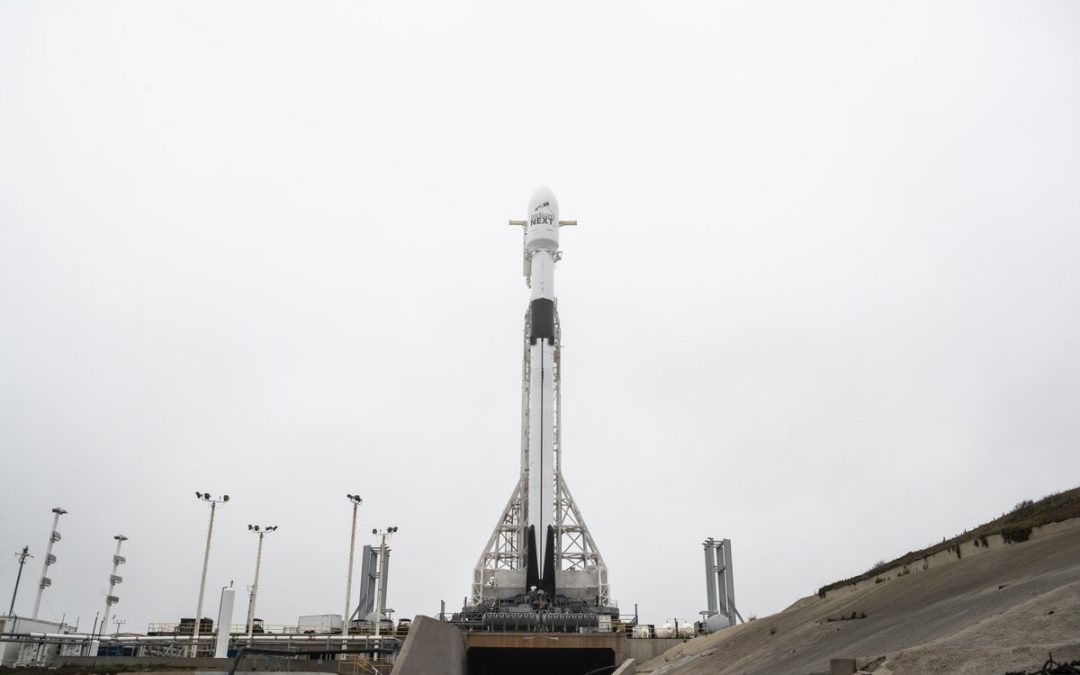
x,y
614,641
628,667
645,649
433,647
247,664
225,672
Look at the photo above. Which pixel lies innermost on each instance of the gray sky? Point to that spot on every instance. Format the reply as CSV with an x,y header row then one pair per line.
x,y
822,301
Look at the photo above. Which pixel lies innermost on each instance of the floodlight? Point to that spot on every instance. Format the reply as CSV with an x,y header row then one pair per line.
x,y
225,498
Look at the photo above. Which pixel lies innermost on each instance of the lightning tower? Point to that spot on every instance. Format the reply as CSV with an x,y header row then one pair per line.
x,y
540,560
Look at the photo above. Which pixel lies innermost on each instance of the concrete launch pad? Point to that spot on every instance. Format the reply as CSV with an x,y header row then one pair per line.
x,y
438,648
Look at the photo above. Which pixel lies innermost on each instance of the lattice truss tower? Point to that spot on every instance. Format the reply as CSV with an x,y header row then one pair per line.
x,y
580,569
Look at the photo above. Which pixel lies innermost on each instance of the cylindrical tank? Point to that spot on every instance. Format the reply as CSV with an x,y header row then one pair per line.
x,y
665,631
642,631
686,629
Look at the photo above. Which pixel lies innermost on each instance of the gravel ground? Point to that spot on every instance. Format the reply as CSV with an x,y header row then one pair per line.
x,y
1003,610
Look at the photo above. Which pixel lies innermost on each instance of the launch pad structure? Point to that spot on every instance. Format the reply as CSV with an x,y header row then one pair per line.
x,y
541,568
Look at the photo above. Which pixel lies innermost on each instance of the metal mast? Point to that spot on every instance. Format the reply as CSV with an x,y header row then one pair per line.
x,y
355,501
114,579
54,536
254,592
541,497
384,569
204,496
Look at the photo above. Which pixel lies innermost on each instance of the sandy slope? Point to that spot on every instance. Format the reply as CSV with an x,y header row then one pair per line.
x,y
1004,609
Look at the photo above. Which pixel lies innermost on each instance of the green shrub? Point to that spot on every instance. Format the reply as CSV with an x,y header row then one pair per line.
x,y
1015,534
1023,508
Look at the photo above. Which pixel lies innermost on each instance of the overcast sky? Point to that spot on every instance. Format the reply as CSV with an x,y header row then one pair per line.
x,y
823,298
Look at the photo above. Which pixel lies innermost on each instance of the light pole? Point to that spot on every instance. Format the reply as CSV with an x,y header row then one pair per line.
x,y
118,560
45,582
381,576
356,501
118,622
261,531
204,496
22,561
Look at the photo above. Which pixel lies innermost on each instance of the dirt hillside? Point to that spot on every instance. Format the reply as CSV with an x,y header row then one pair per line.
x,y
990,607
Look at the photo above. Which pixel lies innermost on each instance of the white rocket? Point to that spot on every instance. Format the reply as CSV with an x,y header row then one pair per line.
x,y
541,541
541,253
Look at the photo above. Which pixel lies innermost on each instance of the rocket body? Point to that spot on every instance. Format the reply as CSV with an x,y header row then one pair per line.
x,y
541,253
527,557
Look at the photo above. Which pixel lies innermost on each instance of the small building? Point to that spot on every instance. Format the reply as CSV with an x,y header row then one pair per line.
x,y
23,651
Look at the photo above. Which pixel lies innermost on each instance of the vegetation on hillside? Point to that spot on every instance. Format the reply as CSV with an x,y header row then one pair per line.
x,y
1014,526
